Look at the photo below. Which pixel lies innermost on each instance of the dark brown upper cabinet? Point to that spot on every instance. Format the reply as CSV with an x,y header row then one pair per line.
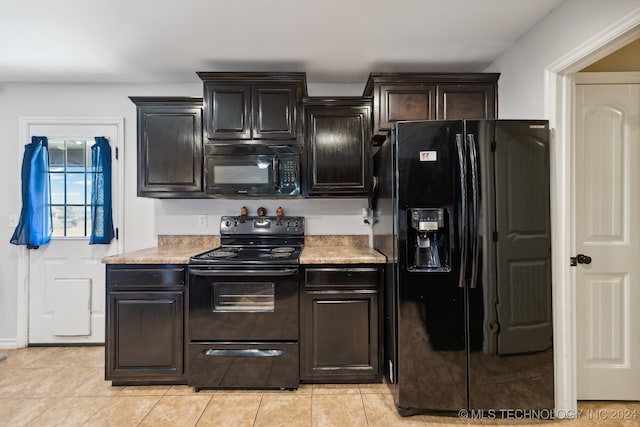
x,y
253,107
430,96
337,145
466,101
169,146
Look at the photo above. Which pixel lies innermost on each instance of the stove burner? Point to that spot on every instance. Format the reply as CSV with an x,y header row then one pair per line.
x,y
223,254
282,250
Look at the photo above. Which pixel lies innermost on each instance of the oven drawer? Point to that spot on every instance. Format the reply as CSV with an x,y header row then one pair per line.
x,y
246,365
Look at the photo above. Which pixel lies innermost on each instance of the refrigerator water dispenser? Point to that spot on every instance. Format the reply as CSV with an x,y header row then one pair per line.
x,y
428,239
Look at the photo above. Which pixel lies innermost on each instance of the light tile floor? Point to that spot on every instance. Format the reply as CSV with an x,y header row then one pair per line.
x,y
65,386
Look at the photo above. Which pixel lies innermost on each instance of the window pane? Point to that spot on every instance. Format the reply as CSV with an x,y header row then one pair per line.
x,y
56,155
75,189
75,155
75,220
57,188
71,185
88,221
88,153
89,178
57,212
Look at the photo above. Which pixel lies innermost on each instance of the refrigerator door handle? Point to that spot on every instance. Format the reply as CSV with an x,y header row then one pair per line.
x,y
463,209
473,232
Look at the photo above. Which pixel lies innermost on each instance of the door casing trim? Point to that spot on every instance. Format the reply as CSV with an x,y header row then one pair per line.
x,y
559,86
25,123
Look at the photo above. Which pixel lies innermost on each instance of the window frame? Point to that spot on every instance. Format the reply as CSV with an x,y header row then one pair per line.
x,y
86,172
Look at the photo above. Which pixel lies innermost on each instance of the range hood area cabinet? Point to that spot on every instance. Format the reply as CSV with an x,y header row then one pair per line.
x,y
430,96
262,108
337,160
169,147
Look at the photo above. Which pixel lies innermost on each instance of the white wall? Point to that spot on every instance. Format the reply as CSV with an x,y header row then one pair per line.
x,y
575,30
573,23
144,218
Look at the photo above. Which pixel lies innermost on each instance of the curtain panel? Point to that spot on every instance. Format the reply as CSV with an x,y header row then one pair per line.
x,y
35,226
101,213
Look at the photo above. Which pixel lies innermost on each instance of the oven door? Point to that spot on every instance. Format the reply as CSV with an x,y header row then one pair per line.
x,y
255,304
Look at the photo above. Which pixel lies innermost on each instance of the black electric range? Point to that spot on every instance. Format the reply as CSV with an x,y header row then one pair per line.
x,y
243,306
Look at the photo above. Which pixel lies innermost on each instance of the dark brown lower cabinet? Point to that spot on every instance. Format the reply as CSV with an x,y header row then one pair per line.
x,y
340,324
145,324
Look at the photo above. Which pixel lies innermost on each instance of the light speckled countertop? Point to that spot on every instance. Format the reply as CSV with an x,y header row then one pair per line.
x,y
170,250
328,249
339,250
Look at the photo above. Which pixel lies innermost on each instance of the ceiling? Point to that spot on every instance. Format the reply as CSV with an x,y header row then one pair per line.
x,y
334,41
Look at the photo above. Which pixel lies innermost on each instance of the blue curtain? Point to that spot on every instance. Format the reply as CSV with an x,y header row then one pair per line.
x,y
35,227
101,214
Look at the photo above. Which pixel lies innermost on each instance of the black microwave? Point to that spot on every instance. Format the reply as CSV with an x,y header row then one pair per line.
x,y
245,170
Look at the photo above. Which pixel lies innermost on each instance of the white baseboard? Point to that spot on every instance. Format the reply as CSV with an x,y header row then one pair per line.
x,y
8,343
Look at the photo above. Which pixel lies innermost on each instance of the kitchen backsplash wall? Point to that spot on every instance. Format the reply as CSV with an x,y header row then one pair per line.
x,y
322,216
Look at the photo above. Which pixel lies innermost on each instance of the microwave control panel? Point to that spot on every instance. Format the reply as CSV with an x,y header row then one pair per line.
x,y
289,173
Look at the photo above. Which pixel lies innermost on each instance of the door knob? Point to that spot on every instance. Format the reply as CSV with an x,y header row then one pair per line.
x,y
580,259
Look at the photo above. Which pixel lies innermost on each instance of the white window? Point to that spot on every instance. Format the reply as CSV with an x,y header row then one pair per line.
x,y
71,180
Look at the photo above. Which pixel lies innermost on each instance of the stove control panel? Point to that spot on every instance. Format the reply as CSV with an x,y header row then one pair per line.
x,y
262,225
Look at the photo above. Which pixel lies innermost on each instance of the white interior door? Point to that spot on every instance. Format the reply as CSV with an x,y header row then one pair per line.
x,y
607,228
66,276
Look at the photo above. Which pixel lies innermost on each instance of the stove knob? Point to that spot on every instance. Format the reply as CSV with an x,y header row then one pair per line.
x,y
235,223
227,223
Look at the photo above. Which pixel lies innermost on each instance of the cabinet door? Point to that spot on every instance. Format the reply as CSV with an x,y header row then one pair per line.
x,y
339,336
404,102
169,151
146,337
466,101
228,111
338,151
274,111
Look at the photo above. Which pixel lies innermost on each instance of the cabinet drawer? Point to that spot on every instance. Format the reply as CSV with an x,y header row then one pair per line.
x,y
145,277
358,277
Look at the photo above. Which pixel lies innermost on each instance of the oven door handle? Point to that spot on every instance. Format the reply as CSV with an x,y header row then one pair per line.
x,y
234,273
249,352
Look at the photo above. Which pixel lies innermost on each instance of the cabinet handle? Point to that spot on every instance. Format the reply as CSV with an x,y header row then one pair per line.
x,y
248,352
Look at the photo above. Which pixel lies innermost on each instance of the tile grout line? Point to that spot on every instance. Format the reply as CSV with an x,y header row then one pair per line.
x,y
106,402
255,419
364,408
151,409
205,409
311,409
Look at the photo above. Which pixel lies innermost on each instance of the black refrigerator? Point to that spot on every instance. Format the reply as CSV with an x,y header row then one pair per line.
x,y
461,211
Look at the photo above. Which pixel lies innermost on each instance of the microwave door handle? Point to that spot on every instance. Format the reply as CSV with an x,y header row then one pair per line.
x,y
276,173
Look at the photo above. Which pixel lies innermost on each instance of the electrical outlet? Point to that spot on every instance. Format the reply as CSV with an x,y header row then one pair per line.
x,y
202,221
13,220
